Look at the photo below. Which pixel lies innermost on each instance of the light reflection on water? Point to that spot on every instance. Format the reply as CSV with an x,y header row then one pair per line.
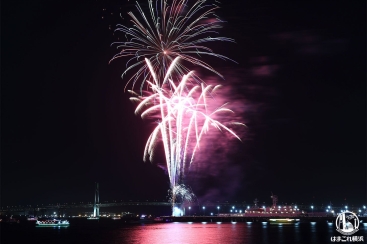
x,y
189,232
231,233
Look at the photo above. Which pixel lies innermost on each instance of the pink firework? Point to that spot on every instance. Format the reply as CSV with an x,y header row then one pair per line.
x,y
184,117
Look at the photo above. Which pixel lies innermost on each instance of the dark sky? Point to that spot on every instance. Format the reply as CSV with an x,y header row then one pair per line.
x,y
66,121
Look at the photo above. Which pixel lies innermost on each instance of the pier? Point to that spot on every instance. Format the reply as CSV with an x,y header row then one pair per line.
x,y
216,219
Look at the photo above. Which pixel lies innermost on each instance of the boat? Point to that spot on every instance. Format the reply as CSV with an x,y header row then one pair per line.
x,y
53,222
290,211
32,218
91,218
284,221
285,212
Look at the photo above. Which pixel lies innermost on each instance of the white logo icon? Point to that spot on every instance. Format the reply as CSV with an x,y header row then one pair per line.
x,y
347,223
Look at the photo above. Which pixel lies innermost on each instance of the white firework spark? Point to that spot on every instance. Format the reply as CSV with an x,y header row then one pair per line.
x,y
184,118
167,32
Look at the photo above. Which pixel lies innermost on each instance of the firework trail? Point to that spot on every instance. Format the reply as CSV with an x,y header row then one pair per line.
x,y
184,116
167,32
158,38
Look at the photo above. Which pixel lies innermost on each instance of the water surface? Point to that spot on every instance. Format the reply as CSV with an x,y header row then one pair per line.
x,y
203,233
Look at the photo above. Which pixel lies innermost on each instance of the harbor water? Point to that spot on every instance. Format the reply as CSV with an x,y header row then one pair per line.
x,y
116,232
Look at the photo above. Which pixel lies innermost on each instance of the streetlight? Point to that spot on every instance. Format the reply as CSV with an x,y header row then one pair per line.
x,y
190,211
204,210
312,209
364,207
218,209
232,207
346,207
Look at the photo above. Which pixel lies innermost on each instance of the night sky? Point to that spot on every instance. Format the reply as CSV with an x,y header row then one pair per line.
x,y
300,86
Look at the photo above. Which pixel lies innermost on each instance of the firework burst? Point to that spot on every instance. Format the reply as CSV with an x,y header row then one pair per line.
x,y
184,115
167,32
